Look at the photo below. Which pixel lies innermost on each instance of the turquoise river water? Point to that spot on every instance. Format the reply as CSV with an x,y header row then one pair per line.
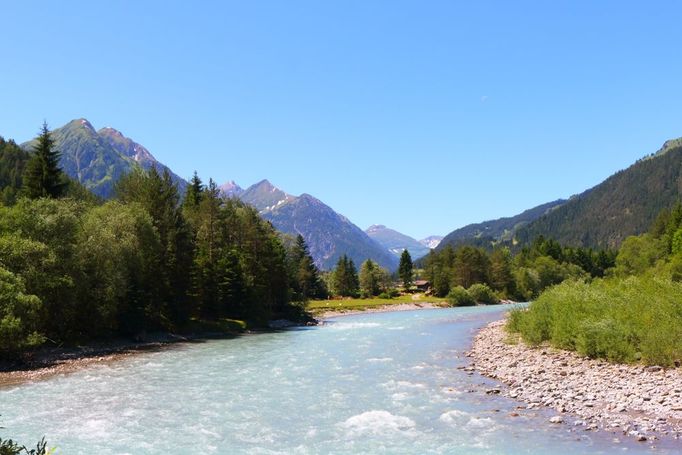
x,y
370,383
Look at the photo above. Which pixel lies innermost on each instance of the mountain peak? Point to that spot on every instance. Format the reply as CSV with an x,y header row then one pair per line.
x,y
265,196
375,227
230,188
80,123
265,185
109,131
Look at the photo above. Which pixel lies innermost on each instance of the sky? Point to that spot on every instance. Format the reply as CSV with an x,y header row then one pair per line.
x,y
421,115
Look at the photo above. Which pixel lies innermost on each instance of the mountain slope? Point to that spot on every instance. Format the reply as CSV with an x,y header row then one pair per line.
x,y
138,153
98,159
327,234
265,196
230,189
624,204
87,157
431,241
396,242
483,233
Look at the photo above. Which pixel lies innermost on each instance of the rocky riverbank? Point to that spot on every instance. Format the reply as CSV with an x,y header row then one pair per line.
x,y
640,402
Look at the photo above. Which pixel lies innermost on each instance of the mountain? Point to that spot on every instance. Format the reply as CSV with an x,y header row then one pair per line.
x,y
431,241
624,204
98,159
482,234
327,233
128,148
395,242
264,196
230,189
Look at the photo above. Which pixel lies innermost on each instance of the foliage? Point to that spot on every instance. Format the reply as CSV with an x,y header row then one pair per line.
x,y
345,278
521,277
620,319
373,279
72,270
459,296
481,293
635,314
304,276
9,447
19,314
12,163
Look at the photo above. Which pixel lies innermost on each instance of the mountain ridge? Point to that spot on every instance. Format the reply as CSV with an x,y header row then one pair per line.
x,y
98,159
395,242
327,233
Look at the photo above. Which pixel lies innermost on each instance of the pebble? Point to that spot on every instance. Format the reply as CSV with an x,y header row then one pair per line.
x,y
643,401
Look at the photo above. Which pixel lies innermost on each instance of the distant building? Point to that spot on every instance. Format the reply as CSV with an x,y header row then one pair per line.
x,y
422,285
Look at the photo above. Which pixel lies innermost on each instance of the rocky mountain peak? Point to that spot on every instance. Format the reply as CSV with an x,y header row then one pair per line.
x,y
230,189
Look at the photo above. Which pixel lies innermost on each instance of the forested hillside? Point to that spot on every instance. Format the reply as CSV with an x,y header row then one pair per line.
x,y
488,233
624,204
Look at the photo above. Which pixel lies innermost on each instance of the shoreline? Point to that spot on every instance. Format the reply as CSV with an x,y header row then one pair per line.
x,y
48,362
390,308
640,402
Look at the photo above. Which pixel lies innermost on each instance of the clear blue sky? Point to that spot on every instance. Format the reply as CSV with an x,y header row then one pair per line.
x,y
423,116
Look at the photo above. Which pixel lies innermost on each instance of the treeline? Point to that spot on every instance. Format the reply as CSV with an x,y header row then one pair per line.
x,y
346,281
517,277
633,314
73,268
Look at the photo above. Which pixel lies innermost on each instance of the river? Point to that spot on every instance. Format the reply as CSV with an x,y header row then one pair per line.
x,y
368,383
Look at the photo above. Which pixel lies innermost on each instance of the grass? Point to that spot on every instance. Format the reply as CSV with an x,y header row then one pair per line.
x,y
320,306
224,325
637,319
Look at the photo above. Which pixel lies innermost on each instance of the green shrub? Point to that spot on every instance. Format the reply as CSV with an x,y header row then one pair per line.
x,y
622,320
459,296
481,293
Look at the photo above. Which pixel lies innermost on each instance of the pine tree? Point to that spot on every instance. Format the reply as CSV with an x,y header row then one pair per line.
x,y
194,192
43,177
405,269
305,277
346,282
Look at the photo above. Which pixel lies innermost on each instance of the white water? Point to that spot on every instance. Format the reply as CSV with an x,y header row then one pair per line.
x,y
374,383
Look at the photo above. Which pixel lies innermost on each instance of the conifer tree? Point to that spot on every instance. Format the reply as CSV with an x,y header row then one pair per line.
x,y
346,282
43,177
405,269
305,277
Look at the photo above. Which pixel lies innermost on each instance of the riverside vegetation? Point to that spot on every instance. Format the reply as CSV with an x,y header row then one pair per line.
x,y
634,314
74,268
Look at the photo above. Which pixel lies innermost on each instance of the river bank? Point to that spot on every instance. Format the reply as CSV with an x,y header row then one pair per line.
x,y
48,362
382,309
640,402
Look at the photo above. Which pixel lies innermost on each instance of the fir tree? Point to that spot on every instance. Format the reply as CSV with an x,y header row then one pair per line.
x,y
43,177
405,269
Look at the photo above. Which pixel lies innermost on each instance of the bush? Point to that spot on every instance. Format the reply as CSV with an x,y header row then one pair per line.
x,y
9,447
459,296
481,293
622,320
